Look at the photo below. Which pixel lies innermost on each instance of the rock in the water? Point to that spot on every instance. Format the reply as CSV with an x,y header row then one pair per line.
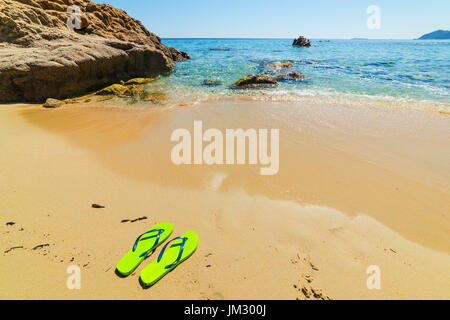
x,y
41,57
302,42
294,75
138,81
52,103
212,83
256,80
120,90
134,91
277,66
114,90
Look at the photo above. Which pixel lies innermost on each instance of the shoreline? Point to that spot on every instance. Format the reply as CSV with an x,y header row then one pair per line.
x,y
357,185
202,96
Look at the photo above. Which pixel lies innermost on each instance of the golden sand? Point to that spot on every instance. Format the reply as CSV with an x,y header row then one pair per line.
x,y
357,187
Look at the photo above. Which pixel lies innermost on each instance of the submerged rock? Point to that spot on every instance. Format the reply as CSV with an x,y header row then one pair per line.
x,y
276,66
86,98
212,83
296,76
53,103
41,57
256,80
302,42
283,71
114,89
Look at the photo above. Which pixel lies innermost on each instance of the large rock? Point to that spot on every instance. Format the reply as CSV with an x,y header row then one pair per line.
x,y
41,57
302,42
256,80
277,66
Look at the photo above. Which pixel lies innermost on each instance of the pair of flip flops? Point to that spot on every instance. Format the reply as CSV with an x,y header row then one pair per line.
x,y
175,252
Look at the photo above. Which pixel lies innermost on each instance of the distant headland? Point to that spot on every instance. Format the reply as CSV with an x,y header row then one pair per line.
x,y
436,35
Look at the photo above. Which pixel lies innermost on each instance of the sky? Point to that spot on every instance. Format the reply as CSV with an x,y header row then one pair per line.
x,y
330,19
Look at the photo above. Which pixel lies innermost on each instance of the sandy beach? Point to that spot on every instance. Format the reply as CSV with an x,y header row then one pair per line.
x,y
358,186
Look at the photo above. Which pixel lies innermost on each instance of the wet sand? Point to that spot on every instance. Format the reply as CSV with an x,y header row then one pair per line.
x,y
357,186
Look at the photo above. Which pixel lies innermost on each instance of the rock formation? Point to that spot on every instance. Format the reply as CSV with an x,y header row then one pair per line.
x,y
52,103
290,76
302,42
277,66
40,57
283,71
256,81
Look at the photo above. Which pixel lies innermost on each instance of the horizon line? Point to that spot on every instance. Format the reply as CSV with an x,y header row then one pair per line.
x,y
289,38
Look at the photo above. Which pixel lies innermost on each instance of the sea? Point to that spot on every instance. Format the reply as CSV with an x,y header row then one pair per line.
x,y
392,72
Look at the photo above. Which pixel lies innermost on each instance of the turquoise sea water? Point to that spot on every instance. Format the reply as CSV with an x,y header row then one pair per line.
x,y
394,71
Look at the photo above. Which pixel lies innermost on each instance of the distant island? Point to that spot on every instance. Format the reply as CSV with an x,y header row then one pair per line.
x,y
436,35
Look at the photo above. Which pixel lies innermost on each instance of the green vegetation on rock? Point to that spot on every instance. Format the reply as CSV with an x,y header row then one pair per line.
x,y
137,81
255,80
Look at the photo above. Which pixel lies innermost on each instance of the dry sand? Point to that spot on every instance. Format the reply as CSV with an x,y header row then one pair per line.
x,y
358,186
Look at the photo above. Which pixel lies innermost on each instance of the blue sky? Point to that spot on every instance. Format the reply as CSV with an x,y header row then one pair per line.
x,y
400,19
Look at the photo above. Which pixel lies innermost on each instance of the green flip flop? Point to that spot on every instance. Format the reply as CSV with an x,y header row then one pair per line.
x,y
144,244
170,257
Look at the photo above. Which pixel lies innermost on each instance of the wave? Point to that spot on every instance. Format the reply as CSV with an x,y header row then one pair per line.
x,y
187,95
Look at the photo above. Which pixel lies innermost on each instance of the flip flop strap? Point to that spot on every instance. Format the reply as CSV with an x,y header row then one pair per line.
x,y
179,255
160,231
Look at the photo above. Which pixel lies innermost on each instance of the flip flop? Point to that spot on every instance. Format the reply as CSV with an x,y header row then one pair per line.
x,y
170,257
144,244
